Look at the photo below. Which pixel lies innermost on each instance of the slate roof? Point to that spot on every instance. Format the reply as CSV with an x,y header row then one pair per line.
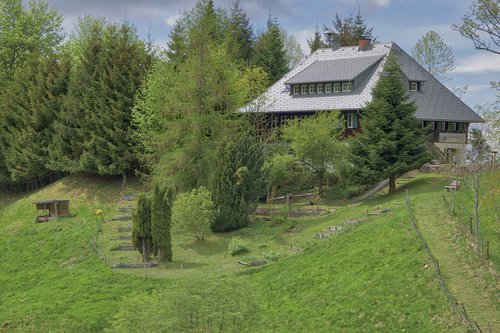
x,y
434,101
346,69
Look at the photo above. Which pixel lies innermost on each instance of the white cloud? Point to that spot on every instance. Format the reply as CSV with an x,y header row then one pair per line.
x,y
170,21
479,64
378,3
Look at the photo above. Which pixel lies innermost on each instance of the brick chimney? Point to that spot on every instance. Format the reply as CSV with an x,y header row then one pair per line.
x,y
364,42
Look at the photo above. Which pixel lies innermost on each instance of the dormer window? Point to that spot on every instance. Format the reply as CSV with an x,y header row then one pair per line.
x,y
328,88
303,89
414,86
320,88
346,86
296,89
336,87
312,88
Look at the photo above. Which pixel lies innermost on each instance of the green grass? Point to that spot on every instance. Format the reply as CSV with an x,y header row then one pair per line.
x,y
374,277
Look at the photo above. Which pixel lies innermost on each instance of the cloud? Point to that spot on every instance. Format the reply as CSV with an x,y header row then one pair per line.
x,y
479,64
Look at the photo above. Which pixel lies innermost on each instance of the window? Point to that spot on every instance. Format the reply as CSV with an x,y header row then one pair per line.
x,y
433,125
328,88
296,89
443,126
303,89
414,86
352,120
336,87
346,86
312,88
320,88
454,127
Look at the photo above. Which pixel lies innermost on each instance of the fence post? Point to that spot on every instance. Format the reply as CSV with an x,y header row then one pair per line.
x,y
288,199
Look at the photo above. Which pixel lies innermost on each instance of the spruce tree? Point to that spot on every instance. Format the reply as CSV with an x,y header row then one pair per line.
x,y
316,41
239,34
141,227
392,141
161,221
348,32
237,182
269,51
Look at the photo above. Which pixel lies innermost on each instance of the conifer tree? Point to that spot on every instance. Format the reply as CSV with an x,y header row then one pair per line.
x,y
269,51
237,182
392,141
316,41
31,101
161,221
348,32
239,34
141,227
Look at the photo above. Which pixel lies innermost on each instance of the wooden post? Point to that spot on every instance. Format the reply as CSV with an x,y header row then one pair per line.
x,y
288,199
367,215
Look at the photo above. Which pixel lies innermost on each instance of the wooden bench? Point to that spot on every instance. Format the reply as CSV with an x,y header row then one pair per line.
x,y
455,185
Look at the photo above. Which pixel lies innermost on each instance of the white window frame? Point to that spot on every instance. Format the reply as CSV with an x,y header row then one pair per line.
x,y
336,87
455,127
296,89
320,88
413,86
304,89
443,126
346,86
328,88
312,88
433,125
350,120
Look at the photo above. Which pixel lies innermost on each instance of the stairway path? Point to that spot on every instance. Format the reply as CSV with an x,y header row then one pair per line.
x,y
464,283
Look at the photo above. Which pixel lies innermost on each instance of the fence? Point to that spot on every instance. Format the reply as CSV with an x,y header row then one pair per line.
x,y
466,228
35,184
459,308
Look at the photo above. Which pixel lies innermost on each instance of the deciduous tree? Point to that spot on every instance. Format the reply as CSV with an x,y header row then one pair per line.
x,y
482,26
316,142
434,55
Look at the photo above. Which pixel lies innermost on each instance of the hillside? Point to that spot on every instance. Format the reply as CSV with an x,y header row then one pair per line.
x,y
373,277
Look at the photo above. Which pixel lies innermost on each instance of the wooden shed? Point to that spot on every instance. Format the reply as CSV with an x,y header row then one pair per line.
x,y
50,209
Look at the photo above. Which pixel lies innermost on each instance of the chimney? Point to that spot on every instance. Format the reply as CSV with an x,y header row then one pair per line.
x,y
364,42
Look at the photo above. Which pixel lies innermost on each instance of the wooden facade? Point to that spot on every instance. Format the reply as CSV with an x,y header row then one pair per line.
x,y
50,209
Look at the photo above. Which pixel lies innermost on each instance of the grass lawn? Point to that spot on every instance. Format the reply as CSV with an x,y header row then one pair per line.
x,y
374,277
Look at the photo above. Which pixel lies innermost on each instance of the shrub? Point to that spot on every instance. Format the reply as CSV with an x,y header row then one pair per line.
x,y
193,212
271,255
236,246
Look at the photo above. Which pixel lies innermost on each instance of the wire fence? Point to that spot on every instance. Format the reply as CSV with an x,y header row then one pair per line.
x,y
466,228
35,184
457,307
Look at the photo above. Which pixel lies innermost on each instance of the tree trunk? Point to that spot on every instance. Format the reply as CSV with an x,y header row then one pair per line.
x,y
392,184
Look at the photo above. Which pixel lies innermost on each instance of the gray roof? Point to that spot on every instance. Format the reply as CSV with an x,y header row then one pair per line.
x,y
434,101
346,69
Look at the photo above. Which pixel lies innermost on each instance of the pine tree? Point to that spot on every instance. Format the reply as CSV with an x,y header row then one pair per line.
x,y
237,182
141,227
31,101
316,41
161,220
392,142
269,51
239,34
349,31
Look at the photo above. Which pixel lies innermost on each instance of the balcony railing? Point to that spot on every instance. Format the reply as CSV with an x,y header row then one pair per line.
x,y
452,138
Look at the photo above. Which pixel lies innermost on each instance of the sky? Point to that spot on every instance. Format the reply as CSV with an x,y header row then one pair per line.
x,y
401,21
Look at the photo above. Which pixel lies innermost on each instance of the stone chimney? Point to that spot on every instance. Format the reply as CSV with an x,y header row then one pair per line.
x,y
364,42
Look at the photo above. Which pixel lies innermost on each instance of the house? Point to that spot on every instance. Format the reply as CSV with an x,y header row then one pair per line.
x,y
343,79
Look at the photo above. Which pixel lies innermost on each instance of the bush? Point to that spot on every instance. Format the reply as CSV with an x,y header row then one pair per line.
x,y
236,246
271,256
193,212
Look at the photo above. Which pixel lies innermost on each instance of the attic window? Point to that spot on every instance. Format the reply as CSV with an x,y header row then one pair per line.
x,y
414,86
346,86
320,88
312,88
328,88
336,87
303,89
296,89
